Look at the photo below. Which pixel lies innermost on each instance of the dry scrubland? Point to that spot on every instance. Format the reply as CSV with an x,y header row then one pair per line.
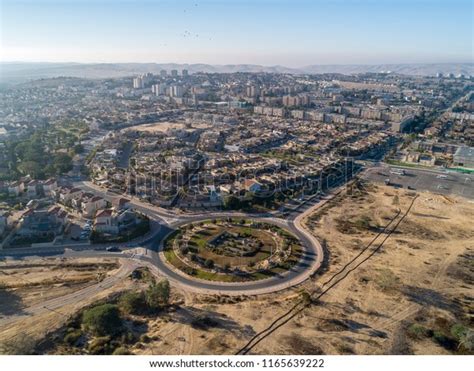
x,y
25,285
414,296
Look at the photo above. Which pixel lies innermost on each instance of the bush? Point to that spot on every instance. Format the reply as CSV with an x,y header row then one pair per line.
x,y
158,294
101,345
132,302
128,338
458,331
416,331
145,338
102,320
72,337
467,341
209,263
443,340
121,351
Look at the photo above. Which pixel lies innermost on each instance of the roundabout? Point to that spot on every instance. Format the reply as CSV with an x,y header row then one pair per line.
x,y
232,250
309,258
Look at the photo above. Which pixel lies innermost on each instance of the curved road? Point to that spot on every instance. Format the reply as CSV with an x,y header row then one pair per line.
x,y
309,263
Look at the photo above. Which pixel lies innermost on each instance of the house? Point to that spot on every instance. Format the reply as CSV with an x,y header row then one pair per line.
x,y
121,203
90,205
32,188
126,219
66,194
427,160
112,222
252,185
16,188
40,223
105,222
49,185
59,215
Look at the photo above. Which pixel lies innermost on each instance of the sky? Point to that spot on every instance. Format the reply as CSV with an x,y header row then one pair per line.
x,y
292,33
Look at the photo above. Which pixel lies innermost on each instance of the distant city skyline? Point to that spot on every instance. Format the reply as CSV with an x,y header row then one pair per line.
x,y
267,32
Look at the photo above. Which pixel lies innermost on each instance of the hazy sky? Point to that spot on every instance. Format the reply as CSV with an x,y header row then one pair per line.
x,y
288,32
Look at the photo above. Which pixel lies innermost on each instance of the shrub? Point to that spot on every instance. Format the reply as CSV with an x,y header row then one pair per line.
x,y
443,340
145,338
132,302
467,341
121,351
209,263
102,320
101,345
158,294
72,337
458,331
128,338
416,331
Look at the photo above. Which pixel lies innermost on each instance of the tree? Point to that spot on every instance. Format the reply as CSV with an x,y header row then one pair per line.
x,y
158,294
62,163
32,168
132,302
102,320
232,202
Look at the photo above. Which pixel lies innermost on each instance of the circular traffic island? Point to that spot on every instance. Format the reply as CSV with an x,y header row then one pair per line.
x,y
232,250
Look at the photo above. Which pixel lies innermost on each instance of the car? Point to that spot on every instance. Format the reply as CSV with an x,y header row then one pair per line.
x,y
397,171
112,249
442,177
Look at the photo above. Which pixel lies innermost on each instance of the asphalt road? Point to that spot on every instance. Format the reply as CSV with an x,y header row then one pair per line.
x,y
310,261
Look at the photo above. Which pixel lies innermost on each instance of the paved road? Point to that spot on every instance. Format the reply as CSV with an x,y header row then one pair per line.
x,y
309,263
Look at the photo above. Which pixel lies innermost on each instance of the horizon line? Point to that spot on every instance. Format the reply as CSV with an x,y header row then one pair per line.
x,y
241,64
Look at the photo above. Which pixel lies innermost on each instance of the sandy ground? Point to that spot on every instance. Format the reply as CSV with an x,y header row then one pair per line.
x,y
163,126
31,282
422,276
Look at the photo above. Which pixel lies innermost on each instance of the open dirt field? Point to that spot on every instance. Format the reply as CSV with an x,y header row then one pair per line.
x,y
413,296
28,286
408,298
163,126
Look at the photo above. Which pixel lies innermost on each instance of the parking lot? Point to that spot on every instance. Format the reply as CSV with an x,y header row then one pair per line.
x,y
443,182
